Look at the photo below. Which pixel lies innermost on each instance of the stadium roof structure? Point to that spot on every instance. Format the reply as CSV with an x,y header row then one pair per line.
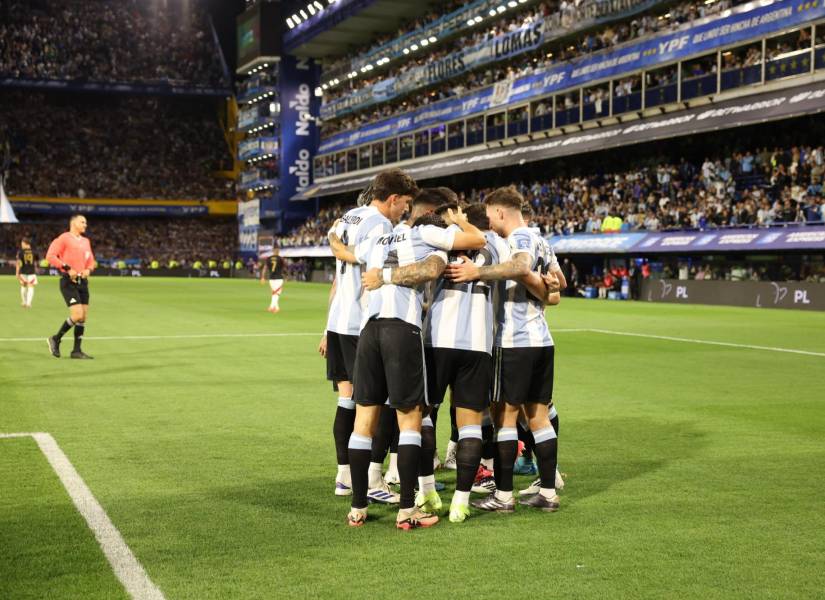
x,y
738,112
354,29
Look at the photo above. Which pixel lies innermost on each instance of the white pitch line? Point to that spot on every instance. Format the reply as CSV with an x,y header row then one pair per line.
x,y
197,336
193,336
709,342
126,566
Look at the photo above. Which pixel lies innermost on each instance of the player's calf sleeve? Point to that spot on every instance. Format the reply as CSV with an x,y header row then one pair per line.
x,y
342,428
506,451
554,419
64,327
24,293
427,447
409,455
360,448
547,449
384,434
79,330
30,295
467,456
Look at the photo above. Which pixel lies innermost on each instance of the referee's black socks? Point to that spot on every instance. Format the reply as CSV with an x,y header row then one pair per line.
x,y
64,327
79,330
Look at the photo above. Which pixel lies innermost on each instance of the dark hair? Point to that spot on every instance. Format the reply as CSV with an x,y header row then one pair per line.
x,y
477,215
507,197
448,194
25,240
442,210
430,219
393,181
527,210
365,197
435,197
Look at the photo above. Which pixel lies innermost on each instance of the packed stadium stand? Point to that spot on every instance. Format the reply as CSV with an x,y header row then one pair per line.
x,y
753,187
109,41
565,14
184,240
105,146
120,110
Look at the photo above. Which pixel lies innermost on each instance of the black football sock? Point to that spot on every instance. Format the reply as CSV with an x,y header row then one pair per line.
x,y
507,449
488,442
384,434
342,428
467,456
394,442
434,413
360,449
79,330
547,450
554,419
427,447
409,456
525,436
64,327
453,428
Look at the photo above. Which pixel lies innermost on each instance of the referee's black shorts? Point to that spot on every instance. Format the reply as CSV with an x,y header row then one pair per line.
x,y
341,356
390,364
467,373
523,375
74,292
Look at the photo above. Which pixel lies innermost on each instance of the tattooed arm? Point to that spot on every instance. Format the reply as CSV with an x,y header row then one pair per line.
x,y
516,268
409,275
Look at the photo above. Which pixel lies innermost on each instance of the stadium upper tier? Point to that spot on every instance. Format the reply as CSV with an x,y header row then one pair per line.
x,y
93,146
546,31
749,49
754,187
129,41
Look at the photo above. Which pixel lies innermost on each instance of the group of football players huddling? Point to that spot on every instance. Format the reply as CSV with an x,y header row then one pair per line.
x,y
451,297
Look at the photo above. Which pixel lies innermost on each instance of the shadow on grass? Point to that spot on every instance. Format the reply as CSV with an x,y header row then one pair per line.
x,y
599,454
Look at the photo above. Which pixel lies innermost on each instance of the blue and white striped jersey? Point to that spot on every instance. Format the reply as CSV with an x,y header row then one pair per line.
x,y
348,303
461,314
519,315
404,246
554,262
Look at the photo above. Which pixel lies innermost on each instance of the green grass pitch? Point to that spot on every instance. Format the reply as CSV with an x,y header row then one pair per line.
x,y
693,471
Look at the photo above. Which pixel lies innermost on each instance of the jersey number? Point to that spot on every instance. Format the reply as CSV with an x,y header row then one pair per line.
x,y
345,241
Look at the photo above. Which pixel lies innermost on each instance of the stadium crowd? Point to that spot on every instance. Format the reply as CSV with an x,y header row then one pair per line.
x,y
185,240
112,41
520,65
750,188
81,145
